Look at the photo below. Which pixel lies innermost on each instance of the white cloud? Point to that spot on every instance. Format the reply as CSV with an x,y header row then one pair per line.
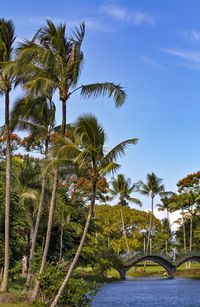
x,y
153,64
191,58
137,17
191,35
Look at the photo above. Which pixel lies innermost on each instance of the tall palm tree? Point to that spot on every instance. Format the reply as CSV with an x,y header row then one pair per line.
x,y
37,116
123,188
165,206
51,62
92,156
7,38
151,188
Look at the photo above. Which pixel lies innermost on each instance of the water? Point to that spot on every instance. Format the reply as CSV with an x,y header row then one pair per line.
x,y
149,292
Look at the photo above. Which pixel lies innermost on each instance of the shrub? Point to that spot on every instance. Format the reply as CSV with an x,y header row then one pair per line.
x,y
78,292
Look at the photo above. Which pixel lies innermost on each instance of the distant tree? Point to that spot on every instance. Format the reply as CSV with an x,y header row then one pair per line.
x,y
122,188
151,188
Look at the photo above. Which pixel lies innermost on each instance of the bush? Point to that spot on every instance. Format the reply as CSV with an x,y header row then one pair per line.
x,y
78,293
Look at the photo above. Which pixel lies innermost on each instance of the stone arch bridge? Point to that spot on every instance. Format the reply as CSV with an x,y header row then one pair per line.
x,y
169,263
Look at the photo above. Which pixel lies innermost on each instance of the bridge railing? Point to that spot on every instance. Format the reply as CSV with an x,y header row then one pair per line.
x,y
138,254
172,257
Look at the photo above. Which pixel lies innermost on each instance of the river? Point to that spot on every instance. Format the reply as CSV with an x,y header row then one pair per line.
x,y
149,292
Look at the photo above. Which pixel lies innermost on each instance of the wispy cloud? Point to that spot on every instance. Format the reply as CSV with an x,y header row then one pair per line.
x,y
191,35
153,64
137,17
92,23
98,24
191,59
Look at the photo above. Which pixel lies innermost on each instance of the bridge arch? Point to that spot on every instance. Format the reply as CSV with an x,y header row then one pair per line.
x,y
186,259
168,266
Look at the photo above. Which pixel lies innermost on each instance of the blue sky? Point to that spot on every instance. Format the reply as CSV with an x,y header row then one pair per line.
x,y
153,49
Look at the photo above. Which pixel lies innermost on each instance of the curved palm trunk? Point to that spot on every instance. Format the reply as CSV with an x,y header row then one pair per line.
x,y
5,281
37,224
61,243
124,229
48,236
76,257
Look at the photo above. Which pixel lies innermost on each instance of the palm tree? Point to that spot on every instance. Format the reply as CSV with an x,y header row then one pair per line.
x,y
164,206
92,156
151,188
123,188
51,62
37,115
7,38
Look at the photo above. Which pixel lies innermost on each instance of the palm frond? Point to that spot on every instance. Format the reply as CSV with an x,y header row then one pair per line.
x,y
102,89
118,151
110,168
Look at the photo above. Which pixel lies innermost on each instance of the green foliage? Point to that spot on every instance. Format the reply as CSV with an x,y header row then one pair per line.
x,y
78,293
136,222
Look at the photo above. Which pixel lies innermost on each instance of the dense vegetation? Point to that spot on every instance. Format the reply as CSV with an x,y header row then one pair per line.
x,y
57,182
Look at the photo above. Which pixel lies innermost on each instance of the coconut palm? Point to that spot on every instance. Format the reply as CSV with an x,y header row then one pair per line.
x,y
151,188
52,62
7,38
165,206
123,188
37,116
92,156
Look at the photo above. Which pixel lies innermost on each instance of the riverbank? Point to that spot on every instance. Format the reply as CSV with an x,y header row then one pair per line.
x,y
14,299
151,270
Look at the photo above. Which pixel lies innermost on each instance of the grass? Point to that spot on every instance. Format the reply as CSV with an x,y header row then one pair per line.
x,y
152,269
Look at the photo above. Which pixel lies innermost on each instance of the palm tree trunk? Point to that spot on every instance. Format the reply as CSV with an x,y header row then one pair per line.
x,y
191,230
184,241
184,237
35,233
37,223
35,291
150,227
51,211
5,281
61,244
124,229
149,234
76,257
64,120
168,231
